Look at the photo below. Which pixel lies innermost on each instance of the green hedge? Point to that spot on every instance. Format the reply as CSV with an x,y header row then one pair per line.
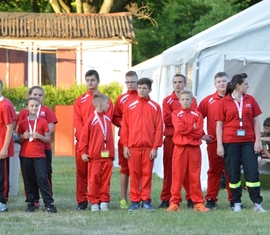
x,y
59,96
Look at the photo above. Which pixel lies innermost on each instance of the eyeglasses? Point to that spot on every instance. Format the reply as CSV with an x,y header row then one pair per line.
x,y
130,82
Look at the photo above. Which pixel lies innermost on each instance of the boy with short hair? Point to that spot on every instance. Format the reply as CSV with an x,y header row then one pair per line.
x,y
96,147
121,102
188,130
6,148
141,136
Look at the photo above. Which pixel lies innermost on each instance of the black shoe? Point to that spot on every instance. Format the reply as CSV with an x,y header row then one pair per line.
x,y
210,204
30,207
190,204
232,206
51,208
82,206
164,205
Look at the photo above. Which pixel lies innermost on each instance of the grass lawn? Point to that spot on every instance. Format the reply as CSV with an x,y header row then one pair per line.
x,y
186,221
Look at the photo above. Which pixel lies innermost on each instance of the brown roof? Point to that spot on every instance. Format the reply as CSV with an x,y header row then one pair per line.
x,y
65,26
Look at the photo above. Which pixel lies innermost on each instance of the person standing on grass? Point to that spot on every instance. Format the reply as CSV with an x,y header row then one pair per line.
x,y
121,103
171,103
46,113
34,133
83,109
6,148
207,108
238,140
141,136
97,149
186,161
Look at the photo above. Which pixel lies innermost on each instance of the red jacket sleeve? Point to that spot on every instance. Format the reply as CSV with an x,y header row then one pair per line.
x,y
125,127
179,125
159,130
109,113
167,114
84,138
77,117
198,132
117,113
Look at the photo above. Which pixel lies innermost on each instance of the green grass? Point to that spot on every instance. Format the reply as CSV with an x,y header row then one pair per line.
x,y
116,221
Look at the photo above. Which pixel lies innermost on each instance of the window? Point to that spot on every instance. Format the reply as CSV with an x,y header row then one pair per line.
x,y
48,68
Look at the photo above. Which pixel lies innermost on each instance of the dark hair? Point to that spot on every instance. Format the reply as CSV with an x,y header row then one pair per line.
x,y
180,75
1,84
266,122
31,98
221,74
30,90
131,74
236,79
92,72
146,81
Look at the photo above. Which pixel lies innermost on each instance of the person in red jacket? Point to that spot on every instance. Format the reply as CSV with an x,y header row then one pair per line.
x,y
171,103
121,103
186,162
6,148
83,109
141,136
96,147
46,113
207,108
34,133
238,140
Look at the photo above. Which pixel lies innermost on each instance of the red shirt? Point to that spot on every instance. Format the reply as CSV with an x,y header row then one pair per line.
x,y
83,109
142,124
92,138
120,105
183,121
46,113
227,112
171,103
208,108
12,109
5,119
36,147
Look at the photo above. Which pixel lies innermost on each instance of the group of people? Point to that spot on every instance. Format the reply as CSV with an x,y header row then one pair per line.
x,y
233,140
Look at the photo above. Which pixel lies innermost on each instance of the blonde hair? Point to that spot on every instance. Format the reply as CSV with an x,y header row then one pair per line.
x,y
189,92
99,98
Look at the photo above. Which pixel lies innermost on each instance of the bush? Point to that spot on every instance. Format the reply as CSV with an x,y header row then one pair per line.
x,y
59,96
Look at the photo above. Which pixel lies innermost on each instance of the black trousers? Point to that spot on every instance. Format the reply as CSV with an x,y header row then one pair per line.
x,y
4,180
237,154
35,170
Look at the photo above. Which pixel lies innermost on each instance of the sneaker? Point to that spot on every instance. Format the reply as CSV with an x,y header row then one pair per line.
x,y
173,207
104,206
237,207
81,206
146,205
30,207
36,204
51,208
200,207
190,204
123,204
258,207
232,206
210,204
134,206
95,207
164,205
3,207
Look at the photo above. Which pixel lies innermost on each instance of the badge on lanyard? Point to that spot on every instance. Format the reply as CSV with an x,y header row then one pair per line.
x,y
31,137
240,132
104,153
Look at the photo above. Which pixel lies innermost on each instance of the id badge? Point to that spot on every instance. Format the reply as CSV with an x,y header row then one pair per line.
x,y
105,154
241,132
31,138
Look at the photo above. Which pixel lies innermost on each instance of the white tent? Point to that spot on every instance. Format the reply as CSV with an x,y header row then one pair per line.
x,y
239,44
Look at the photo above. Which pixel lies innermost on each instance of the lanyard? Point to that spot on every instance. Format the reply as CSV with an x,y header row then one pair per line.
x,y
240,109
103,128
39,107
31,138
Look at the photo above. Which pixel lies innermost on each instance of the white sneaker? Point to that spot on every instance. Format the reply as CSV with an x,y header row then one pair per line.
x,y
259,208
237,207
95,207
3,207
104,206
